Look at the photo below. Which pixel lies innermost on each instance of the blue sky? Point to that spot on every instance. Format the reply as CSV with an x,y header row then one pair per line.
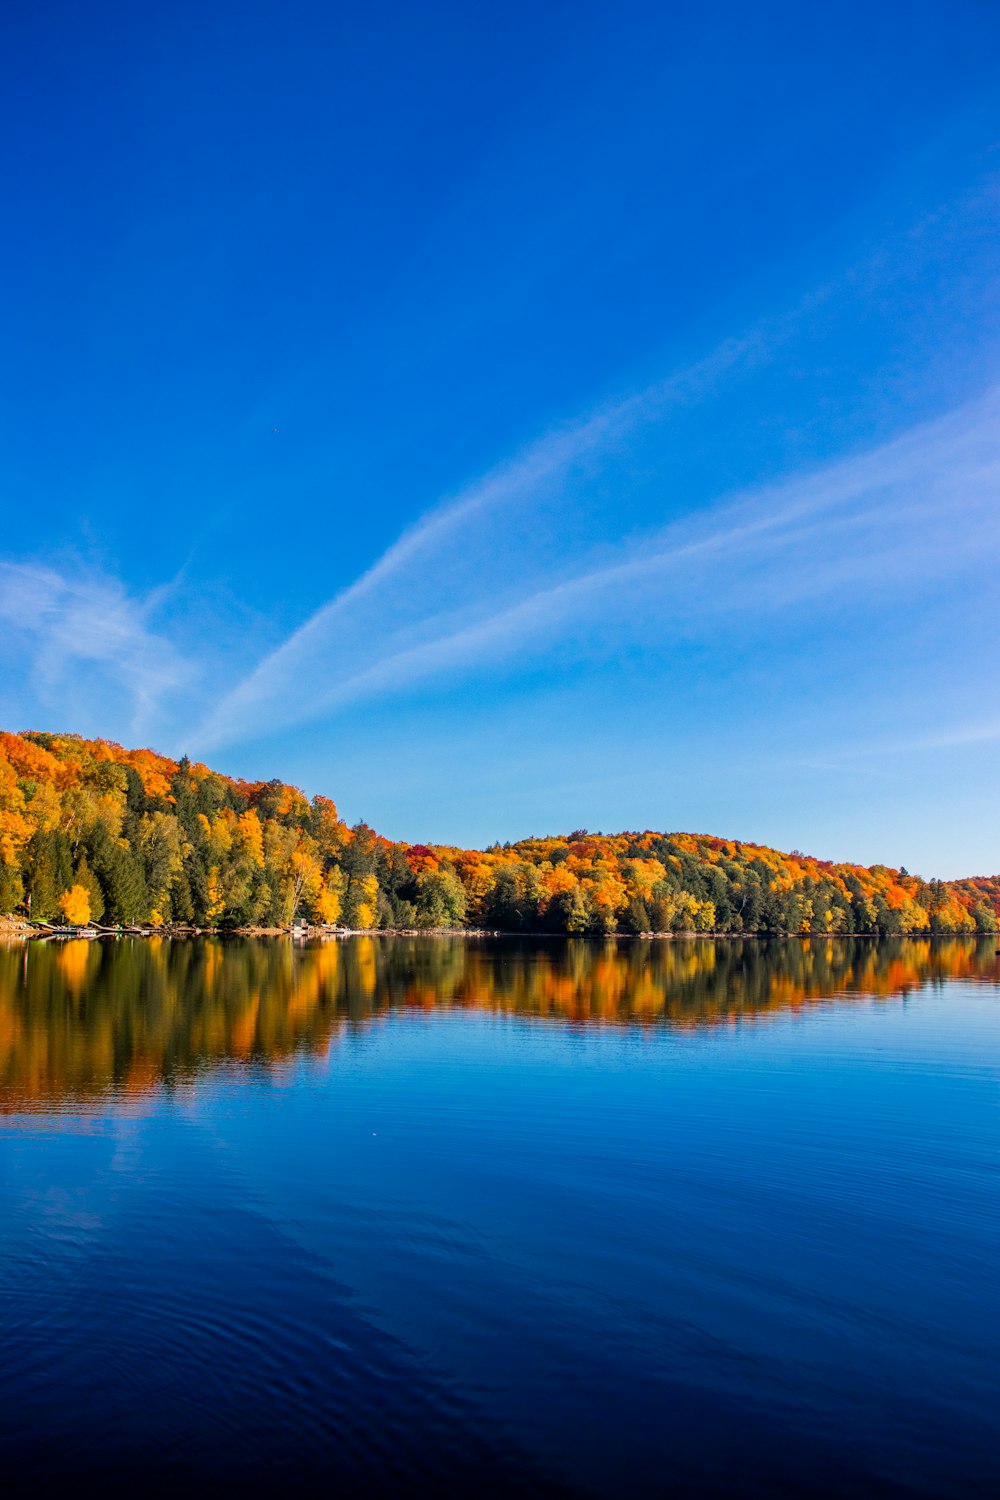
x,y
517,419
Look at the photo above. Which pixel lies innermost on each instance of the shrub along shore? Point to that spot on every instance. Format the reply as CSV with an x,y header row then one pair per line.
x,y
94,836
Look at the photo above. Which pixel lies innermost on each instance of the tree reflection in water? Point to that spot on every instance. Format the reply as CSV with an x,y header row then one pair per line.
x,y
82,1019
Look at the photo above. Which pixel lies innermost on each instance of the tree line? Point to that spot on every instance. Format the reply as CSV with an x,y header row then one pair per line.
x,y
92,832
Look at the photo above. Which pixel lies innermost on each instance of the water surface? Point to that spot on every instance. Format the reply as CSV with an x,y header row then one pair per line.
x,y
475,1217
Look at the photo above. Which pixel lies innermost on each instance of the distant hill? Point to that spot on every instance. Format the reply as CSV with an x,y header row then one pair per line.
x,y
92,832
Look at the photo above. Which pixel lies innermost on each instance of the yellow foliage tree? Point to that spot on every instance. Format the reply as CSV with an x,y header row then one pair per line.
x,y
215,901
361,902
250,838
704,916
327,905
75,905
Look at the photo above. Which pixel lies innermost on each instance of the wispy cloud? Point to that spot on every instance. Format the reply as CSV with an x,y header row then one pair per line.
x,y
80,643
482,579
858,757
578,526
498,540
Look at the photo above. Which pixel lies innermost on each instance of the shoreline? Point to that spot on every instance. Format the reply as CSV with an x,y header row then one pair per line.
x,y
14,928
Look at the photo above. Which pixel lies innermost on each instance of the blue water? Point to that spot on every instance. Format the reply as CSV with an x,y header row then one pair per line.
x,y
439,1235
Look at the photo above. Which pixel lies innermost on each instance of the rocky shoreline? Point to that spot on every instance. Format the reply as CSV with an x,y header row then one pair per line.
x,y
14,928
18,927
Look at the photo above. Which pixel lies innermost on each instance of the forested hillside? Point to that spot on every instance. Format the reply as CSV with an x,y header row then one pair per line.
x,y
92,832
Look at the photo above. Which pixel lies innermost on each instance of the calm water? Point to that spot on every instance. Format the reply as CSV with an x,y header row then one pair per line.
x,y
465,1218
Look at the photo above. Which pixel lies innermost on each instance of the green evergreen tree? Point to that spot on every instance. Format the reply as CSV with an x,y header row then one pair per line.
x,y
49,873
181,904
637,918
121,878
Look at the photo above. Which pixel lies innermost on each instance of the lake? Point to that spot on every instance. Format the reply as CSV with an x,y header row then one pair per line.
x,y
499,1216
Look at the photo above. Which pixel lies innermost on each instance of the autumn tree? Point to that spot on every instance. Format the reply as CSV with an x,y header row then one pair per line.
x,y
362,902
75,906
84,876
